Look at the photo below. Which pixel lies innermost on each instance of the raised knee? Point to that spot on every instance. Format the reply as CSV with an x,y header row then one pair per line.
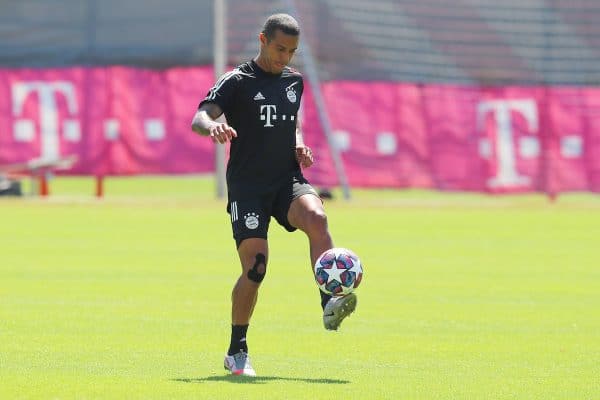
x,y
317,220
259,269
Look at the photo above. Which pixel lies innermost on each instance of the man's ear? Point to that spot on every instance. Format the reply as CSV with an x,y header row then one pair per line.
x,y
263,38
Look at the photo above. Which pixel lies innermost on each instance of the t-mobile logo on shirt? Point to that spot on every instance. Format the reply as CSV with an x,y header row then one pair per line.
x,y
268,114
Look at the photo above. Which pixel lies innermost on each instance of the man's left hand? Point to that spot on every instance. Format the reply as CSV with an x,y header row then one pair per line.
x,y
304,156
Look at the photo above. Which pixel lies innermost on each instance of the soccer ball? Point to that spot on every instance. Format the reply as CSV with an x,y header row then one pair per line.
x,y
338,271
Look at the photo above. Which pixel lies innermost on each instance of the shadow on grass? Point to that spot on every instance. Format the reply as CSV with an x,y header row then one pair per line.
x,y
260,379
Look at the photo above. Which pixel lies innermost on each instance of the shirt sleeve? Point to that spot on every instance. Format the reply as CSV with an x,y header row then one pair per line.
x,y
301,89
223,92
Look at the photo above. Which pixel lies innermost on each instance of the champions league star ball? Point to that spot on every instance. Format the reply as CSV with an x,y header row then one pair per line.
x,y
338,271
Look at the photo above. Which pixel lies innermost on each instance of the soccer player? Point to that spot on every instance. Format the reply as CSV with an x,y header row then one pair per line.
x,y
260,99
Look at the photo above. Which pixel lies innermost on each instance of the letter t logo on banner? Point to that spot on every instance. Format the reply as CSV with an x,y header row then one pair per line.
x,y
507,174
49,121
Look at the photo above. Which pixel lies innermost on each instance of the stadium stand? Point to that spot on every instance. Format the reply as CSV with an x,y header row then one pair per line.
x,y
463,42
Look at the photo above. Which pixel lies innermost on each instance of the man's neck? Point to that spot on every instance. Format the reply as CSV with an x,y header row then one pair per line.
x,y
261,64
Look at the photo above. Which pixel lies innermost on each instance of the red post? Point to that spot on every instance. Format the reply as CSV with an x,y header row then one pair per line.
x,y
44,191
99,186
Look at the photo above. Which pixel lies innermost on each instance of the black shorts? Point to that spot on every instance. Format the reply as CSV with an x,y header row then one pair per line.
x,y
251,210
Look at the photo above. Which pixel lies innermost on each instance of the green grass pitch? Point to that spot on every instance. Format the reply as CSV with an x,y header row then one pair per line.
x,y
465,296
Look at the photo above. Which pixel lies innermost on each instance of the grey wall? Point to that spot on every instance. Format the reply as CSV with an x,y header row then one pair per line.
x,y
459,41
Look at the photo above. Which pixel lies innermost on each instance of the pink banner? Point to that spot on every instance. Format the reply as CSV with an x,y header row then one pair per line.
x,y
121,120
511,139
116,120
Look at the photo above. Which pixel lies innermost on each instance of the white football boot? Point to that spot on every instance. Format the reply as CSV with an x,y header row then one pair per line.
x,y
338,308
239,364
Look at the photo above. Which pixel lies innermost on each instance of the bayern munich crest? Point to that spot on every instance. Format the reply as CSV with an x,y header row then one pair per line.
x,y
291,95
251,220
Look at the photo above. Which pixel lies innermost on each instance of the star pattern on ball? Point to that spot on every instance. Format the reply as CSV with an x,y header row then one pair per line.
x,y
334,273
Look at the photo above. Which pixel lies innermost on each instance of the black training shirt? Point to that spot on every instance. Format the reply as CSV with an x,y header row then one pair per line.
x,y
263,109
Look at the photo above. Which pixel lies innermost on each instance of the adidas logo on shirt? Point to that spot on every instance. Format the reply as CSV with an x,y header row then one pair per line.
x,y
259,96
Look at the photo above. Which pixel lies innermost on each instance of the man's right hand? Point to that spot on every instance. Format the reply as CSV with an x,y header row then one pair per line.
x,y
205,124
220,132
